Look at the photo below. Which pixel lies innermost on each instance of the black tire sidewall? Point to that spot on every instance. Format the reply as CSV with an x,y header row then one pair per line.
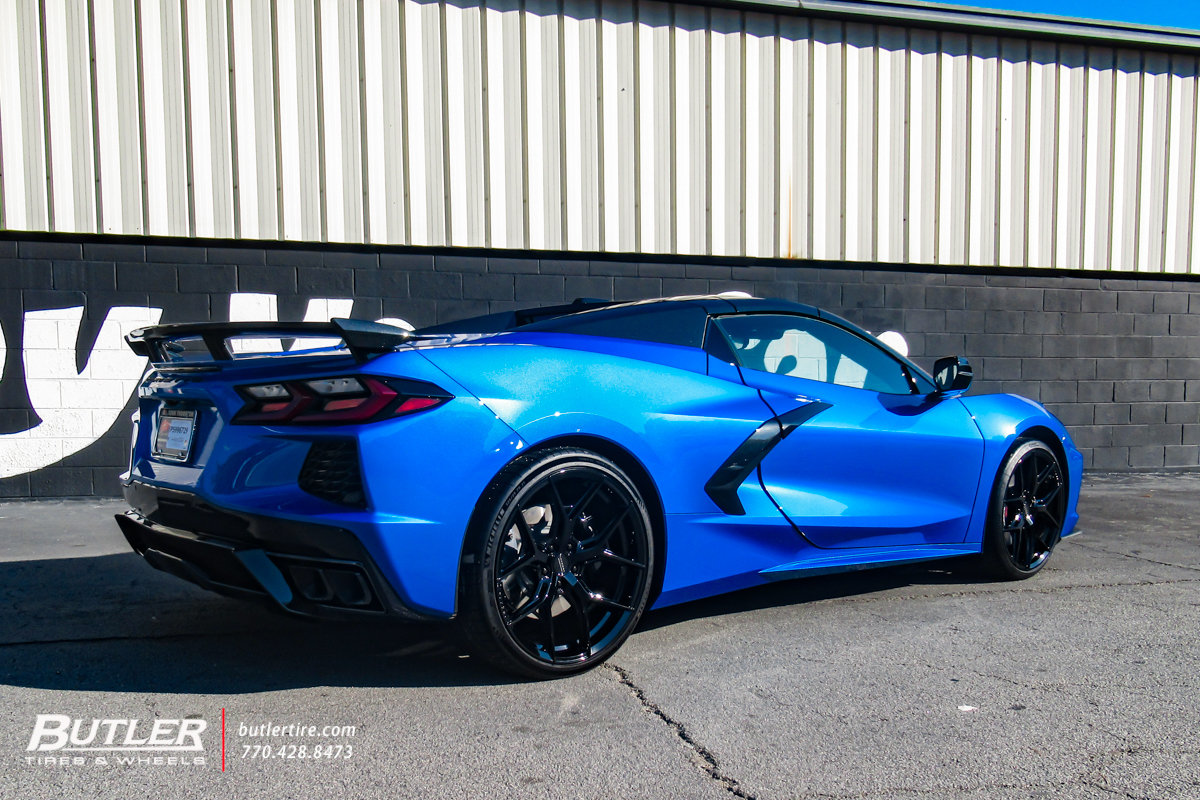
x,y
999,561
480,618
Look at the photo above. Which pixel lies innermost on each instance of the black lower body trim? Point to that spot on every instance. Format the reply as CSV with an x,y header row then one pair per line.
x,y
304,569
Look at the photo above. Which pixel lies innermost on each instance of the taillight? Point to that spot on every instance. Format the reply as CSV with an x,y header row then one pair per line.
x,y
343,400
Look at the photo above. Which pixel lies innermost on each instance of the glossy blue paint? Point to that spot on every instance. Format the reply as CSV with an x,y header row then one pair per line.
x,y
873,480
874,469
1004,418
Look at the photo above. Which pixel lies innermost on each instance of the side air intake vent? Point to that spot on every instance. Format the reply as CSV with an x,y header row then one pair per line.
x,y
331,473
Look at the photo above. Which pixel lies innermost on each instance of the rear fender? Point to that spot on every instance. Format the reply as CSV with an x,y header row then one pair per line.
x,y
679,423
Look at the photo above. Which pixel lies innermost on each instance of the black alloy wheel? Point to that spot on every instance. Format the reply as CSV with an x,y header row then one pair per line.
x,y
1027,511
562,573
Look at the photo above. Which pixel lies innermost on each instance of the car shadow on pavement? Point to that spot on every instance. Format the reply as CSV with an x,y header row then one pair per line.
x,y
948,572
114,624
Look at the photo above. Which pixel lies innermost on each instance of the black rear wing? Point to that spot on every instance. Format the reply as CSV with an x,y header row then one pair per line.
x,y
363,339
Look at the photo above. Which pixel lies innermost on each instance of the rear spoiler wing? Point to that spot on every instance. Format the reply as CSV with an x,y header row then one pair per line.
x,y
363,339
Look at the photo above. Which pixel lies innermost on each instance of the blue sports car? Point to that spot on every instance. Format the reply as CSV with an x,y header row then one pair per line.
x,y
544,476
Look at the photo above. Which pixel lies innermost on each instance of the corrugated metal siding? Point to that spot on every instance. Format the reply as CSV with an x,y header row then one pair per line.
x,y
593,126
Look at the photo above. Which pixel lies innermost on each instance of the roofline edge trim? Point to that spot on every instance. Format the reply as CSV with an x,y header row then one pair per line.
x,y
913,12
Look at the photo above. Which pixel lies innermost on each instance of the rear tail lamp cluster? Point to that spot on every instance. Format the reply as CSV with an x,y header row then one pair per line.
x,y
345,400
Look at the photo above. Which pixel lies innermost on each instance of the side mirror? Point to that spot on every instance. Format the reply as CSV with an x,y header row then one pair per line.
x,y
952,375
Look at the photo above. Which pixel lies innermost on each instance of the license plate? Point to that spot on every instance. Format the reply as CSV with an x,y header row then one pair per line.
x,y
176,429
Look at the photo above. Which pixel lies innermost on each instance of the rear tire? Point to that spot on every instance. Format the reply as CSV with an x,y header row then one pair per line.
x,y
1026,512
558,568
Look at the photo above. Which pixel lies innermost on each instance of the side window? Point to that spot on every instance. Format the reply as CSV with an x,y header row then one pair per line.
x,y
803,347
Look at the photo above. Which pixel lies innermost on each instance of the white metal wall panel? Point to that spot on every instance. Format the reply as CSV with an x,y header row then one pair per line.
x,y
1068,223
544,112
118,116
656,114
1153,160
891,147
1126,160
1181,164
984,150
464,83
1013,185
506,125
795,137
168,157
691,139
923,146
253,117
22,118
954,134
1043,153
861,143
210,107
1098,173
70,114
621,224
610,125
828,212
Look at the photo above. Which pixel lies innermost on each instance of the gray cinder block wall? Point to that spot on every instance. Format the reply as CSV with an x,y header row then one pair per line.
x,y
1116,358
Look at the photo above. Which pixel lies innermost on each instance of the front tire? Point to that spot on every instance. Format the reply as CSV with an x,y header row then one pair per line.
x,y
559,570
1026,513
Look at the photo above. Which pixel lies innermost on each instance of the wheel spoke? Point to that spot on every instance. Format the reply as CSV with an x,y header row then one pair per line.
x,y
559,508
1042,477
597,544
543,597
1040,540
1045,501
1028,473
1014,543
548,631
609,555
600,600
581,503
1046,512
1026,548
515,567
527,537
579,599
1020,545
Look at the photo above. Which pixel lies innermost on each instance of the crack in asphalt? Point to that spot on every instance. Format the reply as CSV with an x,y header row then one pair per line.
x,y
702,756
860,599
994,591
1087,546
93,639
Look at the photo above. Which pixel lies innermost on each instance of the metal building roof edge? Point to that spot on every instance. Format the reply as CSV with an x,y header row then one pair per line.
x,y
930,14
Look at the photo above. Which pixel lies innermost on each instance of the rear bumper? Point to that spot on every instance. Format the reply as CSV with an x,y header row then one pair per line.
x,y
301,568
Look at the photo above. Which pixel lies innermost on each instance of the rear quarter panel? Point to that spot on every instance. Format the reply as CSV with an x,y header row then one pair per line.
x,y
679,422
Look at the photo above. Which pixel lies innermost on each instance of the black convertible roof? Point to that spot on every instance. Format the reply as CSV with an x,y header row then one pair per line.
x,y
669,320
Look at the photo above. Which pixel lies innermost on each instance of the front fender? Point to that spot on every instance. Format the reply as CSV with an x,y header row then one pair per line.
x,y
1002,419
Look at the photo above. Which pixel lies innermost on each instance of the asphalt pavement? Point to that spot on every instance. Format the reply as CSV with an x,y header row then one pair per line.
x,y
909,682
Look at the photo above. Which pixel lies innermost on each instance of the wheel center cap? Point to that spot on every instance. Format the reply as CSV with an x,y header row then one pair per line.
x,y
560,565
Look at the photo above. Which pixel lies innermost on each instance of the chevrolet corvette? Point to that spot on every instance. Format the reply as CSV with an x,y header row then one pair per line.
x,y
543,477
